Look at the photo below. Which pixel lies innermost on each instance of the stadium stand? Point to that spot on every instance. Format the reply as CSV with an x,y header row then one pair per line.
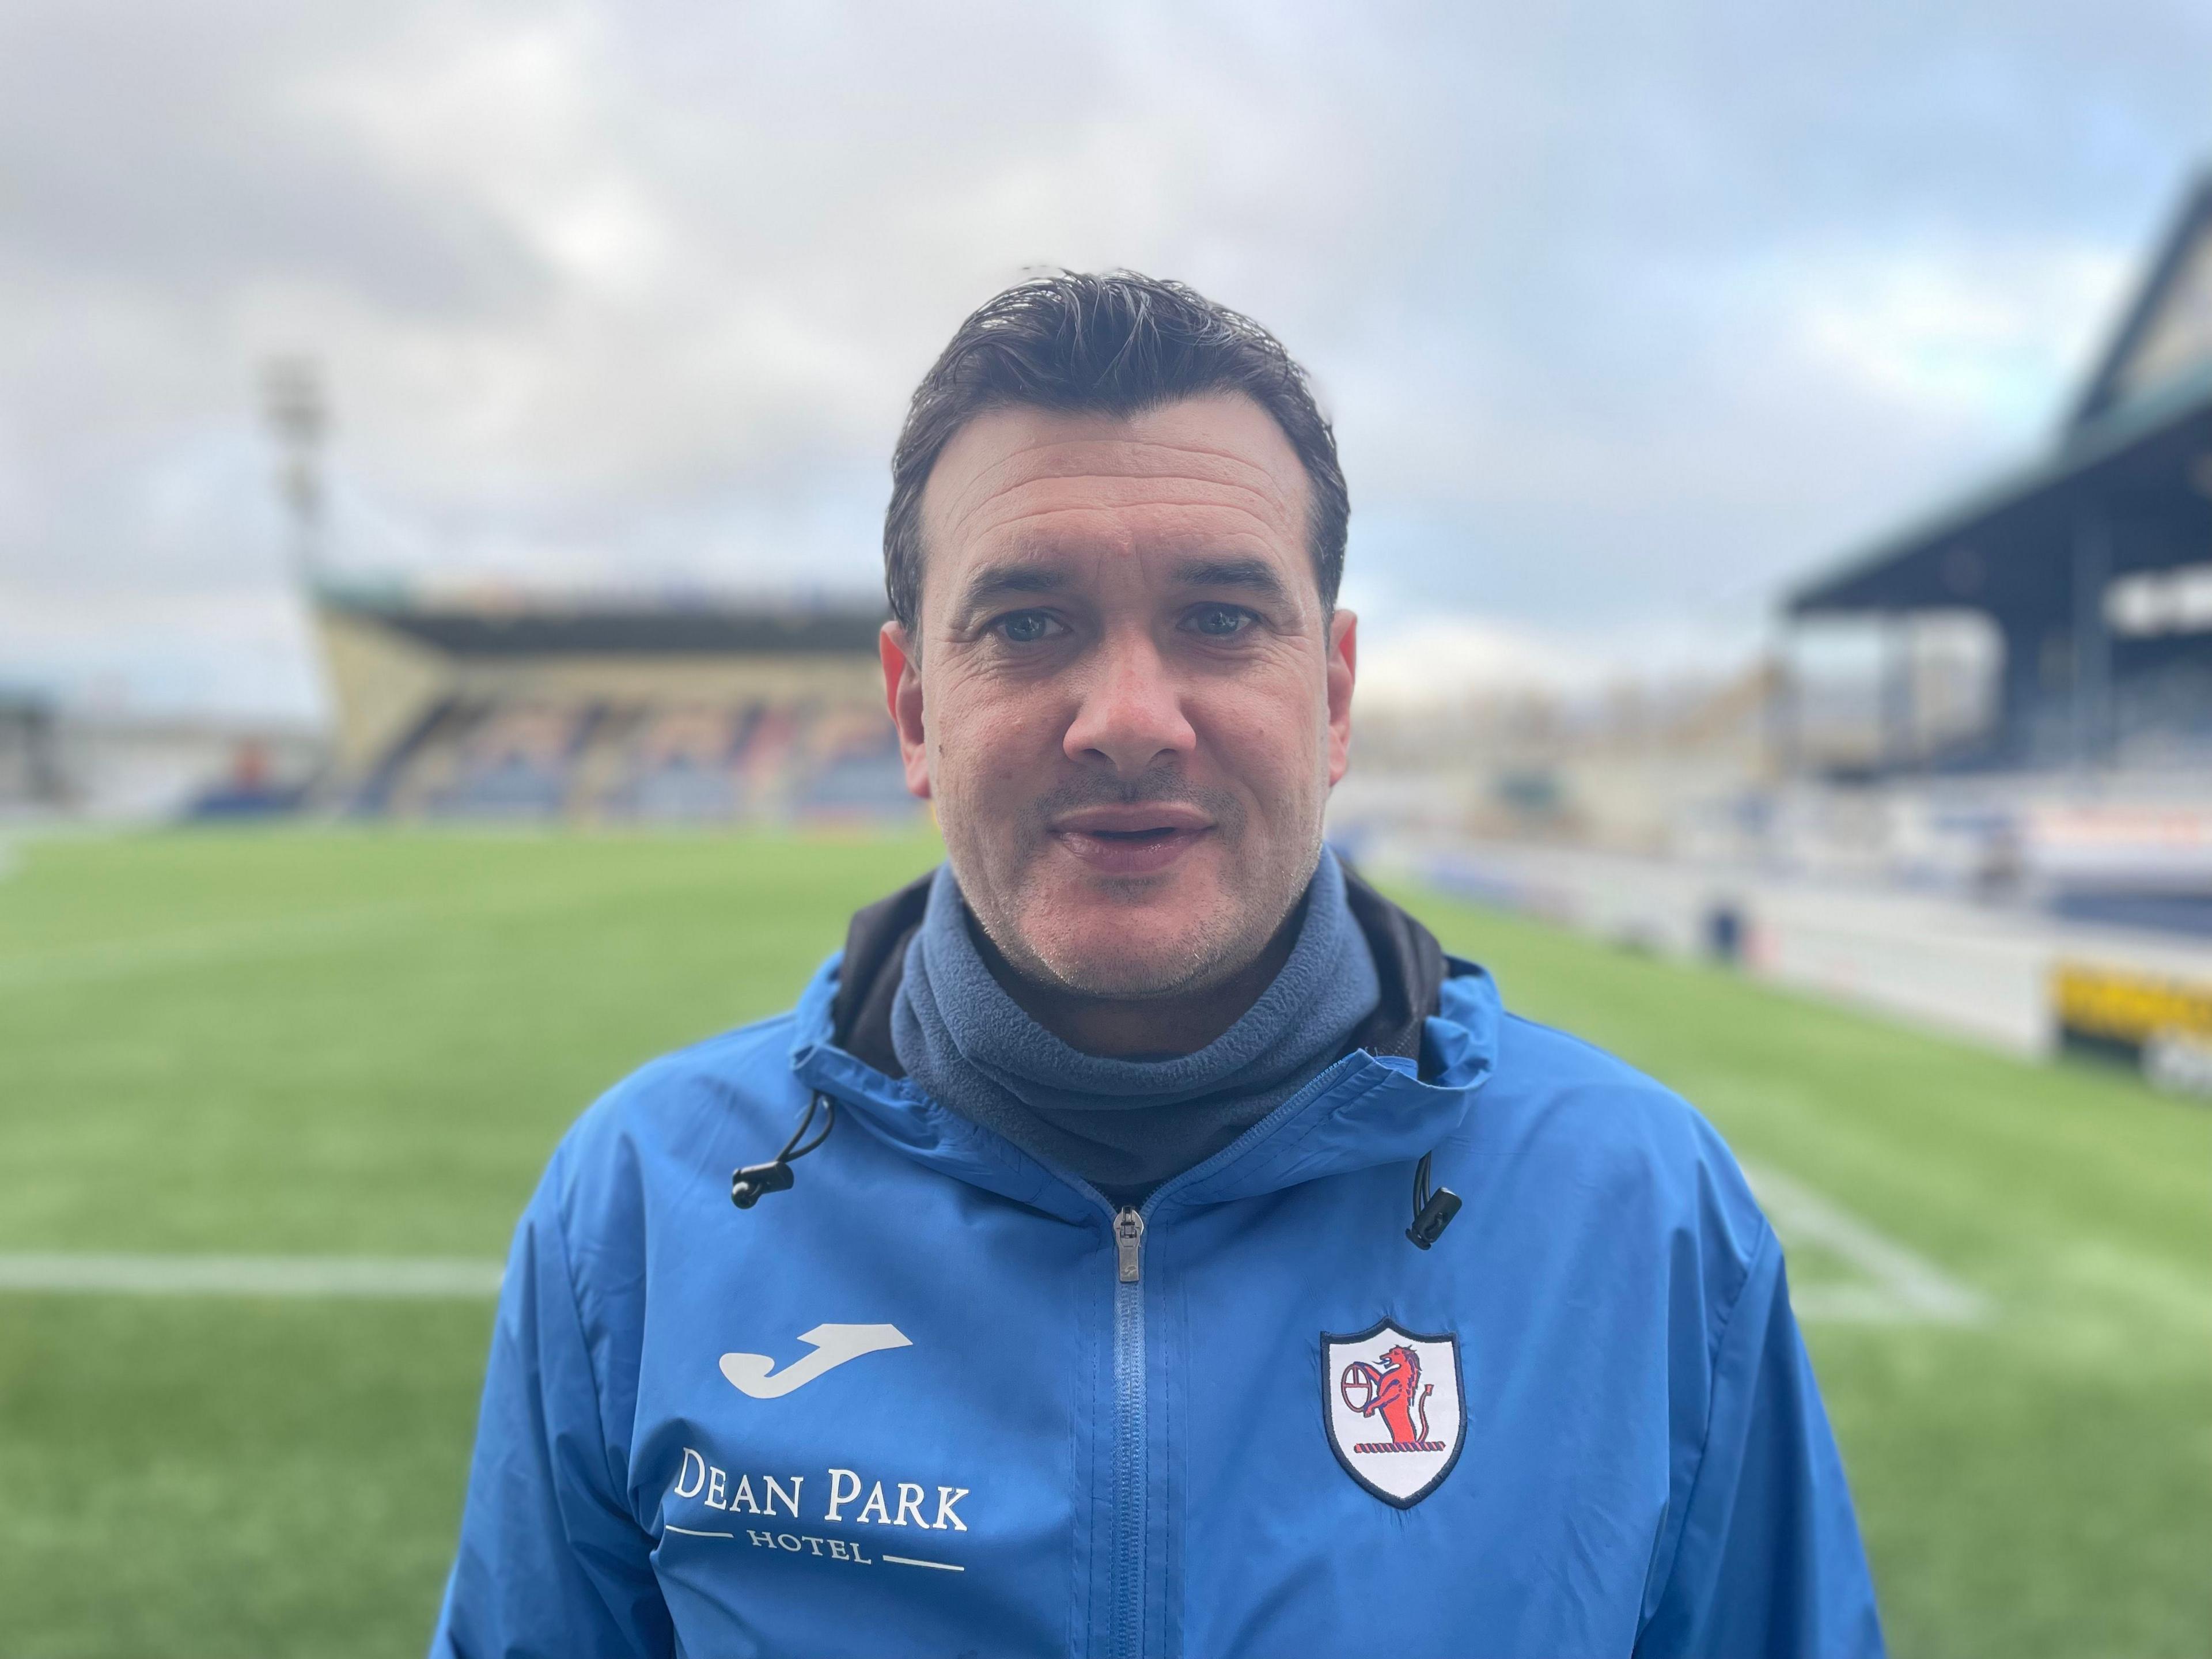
x,y
2094,564
606,712
2091,567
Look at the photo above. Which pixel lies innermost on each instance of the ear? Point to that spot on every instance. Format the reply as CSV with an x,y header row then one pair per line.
x,y
902,696
1343,663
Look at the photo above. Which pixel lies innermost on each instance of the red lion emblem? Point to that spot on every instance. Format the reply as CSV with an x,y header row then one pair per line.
x,y
1398,1393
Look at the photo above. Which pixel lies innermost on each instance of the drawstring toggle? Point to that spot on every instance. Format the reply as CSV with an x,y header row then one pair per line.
x,y
1432,1211
756,1181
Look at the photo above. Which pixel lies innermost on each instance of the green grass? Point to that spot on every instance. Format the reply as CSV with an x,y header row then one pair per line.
x,y
316,1044
368,1042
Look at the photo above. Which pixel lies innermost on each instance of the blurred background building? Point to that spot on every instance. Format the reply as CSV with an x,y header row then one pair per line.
x,y
1971,783
2089,571
605,712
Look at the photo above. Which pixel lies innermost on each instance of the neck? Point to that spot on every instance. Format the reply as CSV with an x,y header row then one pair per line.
x,y
1128,1027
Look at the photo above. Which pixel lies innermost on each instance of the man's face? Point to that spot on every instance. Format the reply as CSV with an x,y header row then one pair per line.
x,y
1125,698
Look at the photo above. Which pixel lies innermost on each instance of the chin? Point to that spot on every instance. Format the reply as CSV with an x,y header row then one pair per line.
x,y
1115,950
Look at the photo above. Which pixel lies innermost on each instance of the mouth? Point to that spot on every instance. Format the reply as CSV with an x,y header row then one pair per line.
x,y
1132,841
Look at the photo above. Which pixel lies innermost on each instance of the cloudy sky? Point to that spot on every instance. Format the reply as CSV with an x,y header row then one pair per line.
x,y
1628,313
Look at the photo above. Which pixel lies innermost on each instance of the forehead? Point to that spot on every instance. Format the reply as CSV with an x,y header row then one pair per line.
x,y
1211,474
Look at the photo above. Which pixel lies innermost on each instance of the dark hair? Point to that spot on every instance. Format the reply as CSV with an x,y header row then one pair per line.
x,y
1115,342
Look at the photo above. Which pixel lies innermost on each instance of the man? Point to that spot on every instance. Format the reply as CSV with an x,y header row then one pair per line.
x,y
1128,1308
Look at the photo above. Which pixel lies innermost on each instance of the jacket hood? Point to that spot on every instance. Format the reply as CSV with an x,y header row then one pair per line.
x,y
1404,1084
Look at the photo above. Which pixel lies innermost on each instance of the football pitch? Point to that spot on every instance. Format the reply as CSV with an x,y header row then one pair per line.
x,y
337,1060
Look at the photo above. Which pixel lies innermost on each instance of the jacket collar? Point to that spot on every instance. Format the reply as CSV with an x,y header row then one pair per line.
x,y
1405,1086
1408,962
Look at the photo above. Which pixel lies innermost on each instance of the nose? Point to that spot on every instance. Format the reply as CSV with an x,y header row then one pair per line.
x,y
1130,714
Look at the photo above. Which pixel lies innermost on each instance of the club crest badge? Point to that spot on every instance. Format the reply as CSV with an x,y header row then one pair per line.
x,y
1394,1410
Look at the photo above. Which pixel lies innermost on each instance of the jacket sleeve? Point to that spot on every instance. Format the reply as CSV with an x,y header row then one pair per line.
x,y
1767,1562
551,1561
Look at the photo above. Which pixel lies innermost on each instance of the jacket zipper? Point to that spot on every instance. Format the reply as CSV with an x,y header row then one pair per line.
x,y
1127,1631
1129,1433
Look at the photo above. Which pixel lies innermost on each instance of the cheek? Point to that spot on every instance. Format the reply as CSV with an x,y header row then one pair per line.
x,y
1269,730
986,741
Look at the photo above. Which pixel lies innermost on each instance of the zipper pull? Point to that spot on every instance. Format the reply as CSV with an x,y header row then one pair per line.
x,y
1129,1245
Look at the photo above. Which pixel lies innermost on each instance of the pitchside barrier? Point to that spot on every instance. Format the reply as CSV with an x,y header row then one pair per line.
x,y
2005,974
2160,1022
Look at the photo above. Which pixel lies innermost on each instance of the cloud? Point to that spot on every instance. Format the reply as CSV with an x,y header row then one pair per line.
x,y
222,652
1417,663
1626,315
1983,334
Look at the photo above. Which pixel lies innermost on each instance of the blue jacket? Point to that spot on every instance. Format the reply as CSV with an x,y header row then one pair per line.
x,y
926,1402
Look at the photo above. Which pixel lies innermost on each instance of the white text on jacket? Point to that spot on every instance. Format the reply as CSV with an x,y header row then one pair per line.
x,y
893,1504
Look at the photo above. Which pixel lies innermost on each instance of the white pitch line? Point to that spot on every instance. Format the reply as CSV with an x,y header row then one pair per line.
x,y
908,1561
1907,1287
1904,1286
401,1277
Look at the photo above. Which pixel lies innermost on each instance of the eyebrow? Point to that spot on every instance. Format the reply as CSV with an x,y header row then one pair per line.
x,y
1256,575
998,581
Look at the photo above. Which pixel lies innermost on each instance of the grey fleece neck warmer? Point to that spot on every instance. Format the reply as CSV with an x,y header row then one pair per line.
x,y
1126,1125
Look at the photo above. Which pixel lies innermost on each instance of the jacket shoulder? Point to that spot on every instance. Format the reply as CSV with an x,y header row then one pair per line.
x,y
1635,1149
743,1068
727,1100
1601,1096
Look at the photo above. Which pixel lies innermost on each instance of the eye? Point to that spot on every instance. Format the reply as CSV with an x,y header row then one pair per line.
x,y
1219,622
1028,627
